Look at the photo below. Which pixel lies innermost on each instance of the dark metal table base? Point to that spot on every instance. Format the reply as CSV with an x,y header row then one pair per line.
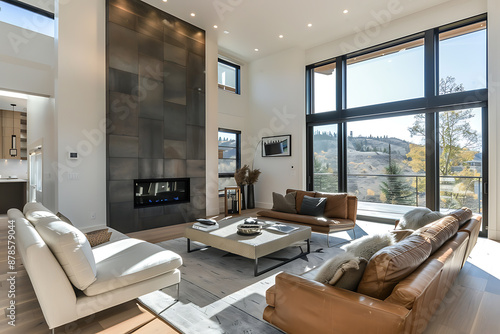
x,y
256,272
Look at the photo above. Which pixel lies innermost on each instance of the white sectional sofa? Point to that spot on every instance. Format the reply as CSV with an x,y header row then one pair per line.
x,y
72,280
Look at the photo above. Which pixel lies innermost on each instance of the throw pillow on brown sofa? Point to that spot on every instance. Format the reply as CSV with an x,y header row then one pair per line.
x,y
343,271
368,245
284,203
312,206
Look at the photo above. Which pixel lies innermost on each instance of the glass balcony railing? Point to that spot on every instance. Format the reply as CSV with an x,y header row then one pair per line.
x,y
407,189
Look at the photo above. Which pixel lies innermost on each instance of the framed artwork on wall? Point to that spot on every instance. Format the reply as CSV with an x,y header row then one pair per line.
x,y
277,146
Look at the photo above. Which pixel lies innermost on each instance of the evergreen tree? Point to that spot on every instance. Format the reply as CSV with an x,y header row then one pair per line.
x,y
396,190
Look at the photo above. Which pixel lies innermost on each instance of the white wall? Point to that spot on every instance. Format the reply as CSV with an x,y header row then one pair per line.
x,y
80,91
276,107
493,119
212,102
26,61
42,131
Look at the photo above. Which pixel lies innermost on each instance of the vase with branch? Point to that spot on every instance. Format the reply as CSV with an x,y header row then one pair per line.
x,y
241,180
252,178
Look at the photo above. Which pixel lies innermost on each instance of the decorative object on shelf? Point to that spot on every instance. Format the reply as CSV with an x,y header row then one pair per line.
x,y
241,178
13,150
232,200
252,178
277,146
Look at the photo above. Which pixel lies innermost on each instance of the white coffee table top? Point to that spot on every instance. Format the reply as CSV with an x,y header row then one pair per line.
x,y
269,241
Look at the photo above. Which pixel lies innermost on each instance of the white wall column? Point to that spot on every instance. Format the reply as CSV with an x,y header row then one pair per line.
x,y
211,124
80,91
43,132
277,107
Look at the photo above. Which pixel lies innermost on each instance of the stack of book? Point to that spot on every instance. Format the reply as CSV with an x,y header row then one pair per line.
x,y
205,225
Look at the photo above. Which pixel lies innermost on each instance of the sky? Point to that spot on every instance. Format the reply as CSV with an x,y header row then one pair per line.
x,y
26,19
399,76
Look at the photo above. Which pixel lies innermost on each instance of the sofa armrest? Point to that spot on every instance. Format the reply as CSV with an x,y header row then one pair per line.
x,y
306,306
271,296
352,207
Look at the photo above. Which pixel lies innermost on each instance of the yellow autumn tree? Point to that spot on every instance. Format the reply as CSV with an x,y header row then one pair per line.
x,y
458,143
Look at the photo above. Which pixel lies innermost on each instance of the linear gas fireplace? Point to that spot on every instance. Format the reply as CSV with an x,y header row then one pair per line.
x,y
153,192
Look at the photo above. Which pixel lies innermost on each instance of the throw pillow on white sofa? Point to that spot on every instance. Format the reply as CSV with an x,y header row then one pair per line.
x,y
71,248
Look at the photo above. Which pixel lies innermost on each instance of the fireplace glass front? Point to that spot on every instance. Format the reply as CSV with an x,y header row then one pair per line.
x,y
153,192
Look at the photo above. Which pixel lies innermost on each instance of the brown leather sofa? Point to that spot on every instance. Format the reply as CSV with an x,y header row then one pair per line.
x,y
401,288
340,213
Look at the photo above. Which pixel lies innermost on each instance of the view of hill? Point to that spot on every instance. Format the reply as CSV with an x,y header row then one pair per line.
x,y
365,155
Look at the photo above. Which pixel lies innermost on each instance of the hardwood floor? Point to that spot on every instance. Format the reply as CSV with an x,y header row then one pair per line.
x,y
471,305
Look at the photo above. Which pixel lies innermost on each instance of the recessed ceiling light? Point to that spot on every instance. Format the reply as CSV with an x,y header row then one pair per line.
x,y
345,11
193,14
215,26
165,0
226,32
280,36
310,25
256,50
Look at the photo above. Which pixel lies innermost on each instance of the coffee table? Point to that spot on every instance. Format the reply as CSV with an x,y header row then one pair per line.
x,y
253,247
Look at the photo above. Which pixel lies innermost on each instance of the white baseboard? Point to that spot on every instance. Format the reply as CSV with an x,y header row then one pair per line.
x,y
264,205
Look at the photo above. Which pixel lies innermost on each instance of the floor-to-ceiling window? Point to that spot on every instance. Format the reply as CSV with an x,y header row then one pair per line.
x,y
403,124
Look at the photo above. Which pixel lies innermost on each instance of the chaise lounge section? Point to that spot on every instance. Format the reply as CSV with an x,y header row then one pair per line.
x,y
72,280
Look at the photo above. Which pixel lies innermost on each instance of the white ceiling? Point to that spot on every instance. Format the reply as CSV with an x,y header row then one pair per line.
x,y
258,23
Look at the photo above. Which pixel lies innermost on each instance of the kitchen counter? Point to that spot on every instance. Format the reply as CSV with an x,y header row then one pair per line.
x,y
13,194
8,180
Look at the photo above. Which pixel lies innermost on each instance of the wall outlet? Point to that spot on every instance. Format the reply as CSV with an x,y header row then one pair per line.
x,y
93,216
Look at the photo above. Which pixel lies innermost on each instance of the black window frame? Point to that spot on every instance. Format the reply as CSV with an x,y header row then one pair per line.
x,y
30,8
237,68
431,104
238,151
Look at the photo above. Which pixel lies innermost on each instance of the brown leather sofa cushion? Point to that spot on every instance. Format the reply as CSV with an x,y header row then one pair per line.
x,y
449,257
292,217
463,215
392,264
439,232
300,197
336,205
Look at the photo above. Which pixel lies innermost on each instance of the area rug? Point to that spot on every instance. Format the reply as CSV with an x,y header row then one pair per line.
x,y
218,292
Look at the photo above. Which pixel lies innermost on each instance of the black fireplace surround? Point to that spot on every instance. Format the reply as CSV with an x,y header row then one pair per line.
x,y
155,115
154,192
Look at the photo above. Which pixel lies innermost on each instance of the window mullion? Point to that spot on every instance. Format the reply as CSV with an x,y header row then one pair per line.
x,y
431,72
432,160
341,130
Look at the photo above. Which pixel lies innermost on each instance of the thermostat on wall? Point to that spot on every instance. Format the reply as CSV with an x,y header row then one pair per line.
x,y
73,155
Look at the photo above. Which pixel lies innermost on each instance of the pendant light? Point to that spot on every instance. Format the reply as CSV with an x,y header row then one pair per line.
x,y
13,150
